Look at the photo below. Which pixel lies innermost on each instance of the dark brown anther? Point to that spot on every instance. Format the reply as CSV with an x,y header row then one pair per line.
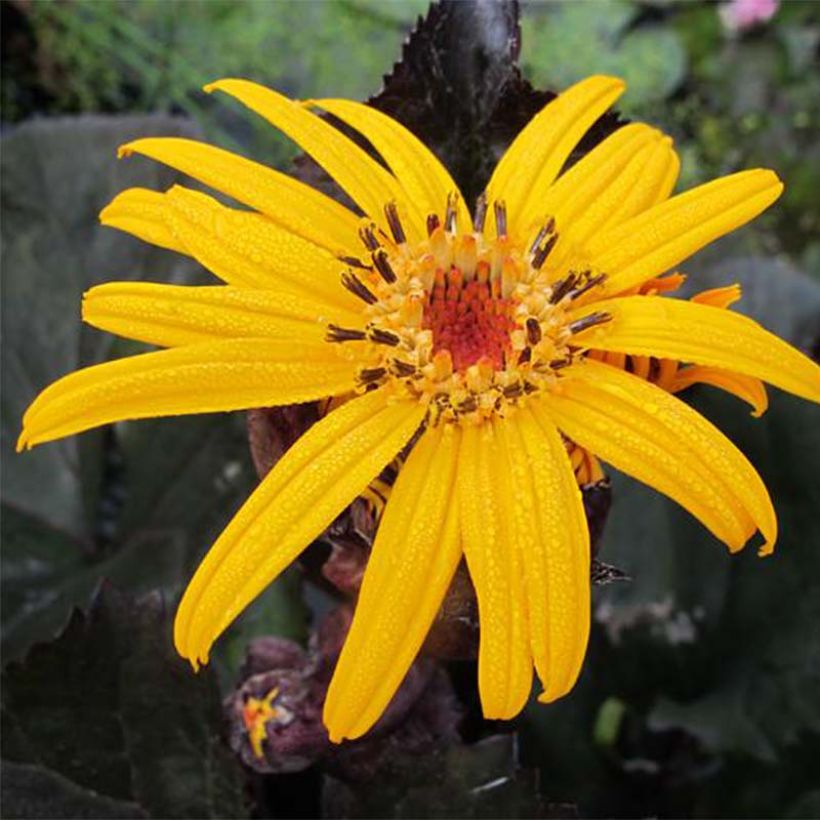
x,y
403,369
530,388
557,364
541,254
525,355
539,238
391,213
469,405
367,234
354,262
358,288
433,222
382,265
586,322
591,282
480,212
343,334
500,208
513,391
563,286
451,213
372,374
383,337
533,331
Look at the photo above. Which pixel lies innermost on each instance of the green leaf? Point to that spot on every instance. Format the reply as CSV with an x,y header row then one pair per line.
x,y
109,707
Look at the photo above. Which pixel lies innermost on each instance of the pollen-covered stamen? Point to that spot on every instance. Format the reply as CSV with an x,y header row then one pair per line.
x,y
542,252
358,288
585,322
343,334
451,213
354,262
391,213
371,375
480,216
383,337
403,369
382,264
433,222
367,233
500,208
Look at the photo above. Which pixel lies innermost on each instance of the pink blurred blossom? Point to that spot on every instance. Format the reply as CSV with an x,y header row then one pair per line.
x,y
739,15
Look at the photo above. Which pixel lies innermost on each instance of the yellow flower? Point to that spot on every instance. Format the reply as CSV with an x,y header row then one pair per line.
x,y
473,336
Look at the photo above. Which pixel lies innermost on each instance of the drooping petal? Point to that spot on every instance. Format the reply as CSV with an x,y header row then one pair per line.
x,y
414,557
656,438
422,176
242,248
535,158
365,180
504,658
750,390
657,239
173,315
285,200
550,532
233,374
141,212
700,334
309,486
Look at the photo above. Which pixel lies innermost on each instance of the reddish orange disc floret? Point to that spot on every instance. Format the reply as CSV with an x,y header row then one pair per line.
x,y
469,319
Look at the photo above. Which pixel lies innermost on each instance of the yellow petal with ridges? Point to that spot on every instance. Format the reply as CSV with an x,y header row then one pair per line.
x,y
504,657
640,183
173,315
141,212
659,238
414,557
656,438
424,179
552,537
535,158
309,486
288,202
365,180
234,374
700,334
746,388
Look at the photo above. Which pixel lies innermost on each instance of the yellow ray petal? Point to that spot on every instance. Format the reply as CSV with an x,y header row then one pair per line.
x,y
644,170
656,438
416,552
141,212
286,201
365,180
657,239
234,374
550,532
173,315
424,179
534,160
750,390
504,658
309,486
701,334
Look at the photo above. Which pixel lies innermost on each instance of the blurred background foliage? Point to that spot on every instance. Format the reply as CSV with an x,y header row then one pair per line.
x,y
700,694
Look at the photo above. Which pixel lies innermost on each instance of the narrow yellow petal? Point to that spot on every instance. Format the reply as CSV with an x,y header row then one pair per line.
x,y
700,334
656,438
551,534
141,212
173,315
422,176
234,374
659,238
746,388
288,202
415,555
641,176
504,658
535,158
241,248
365,180
309,486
